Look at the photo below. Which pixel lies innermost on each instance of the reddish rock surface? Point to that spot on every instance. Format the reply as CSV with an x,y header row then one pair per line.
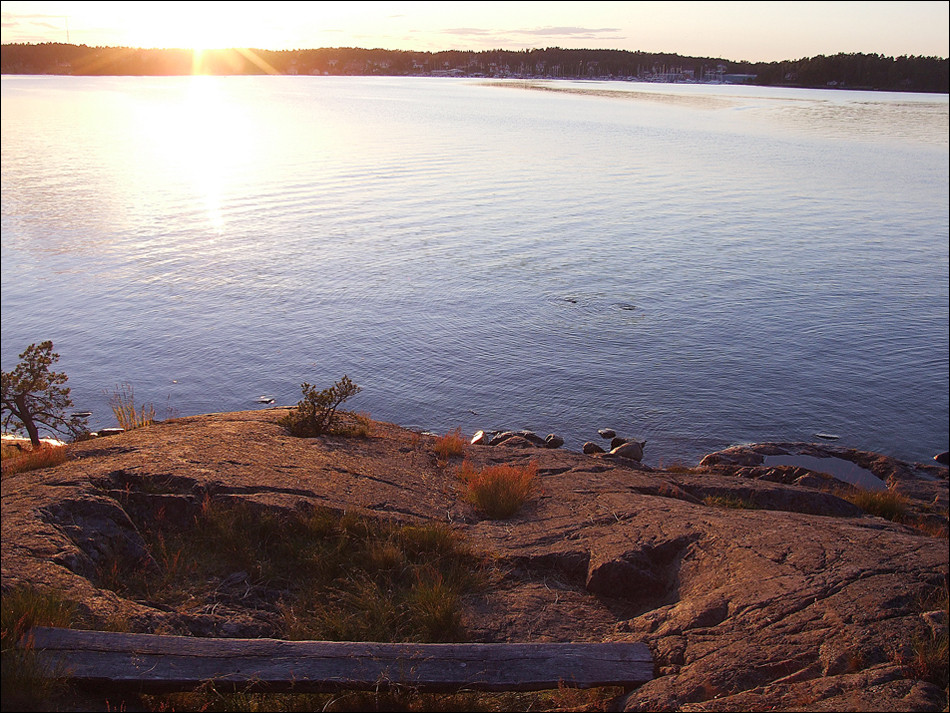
x,y
802,603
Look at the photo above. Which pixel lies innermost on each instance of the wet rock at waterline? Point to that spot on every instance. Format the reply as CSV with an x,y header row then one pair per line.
x,y
629,449
516,439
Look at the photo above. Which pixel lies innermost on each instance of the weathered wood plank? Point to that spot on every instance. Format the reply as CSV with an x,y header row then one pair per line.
x,y
148,662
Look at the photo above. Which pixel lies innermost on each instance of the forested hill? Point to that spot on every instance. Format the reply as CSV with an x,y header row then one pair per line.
x,y
848,71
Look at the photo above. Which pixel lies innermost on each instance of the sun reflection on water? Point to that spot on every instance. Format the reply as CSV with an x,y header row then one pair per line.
x,y
204,138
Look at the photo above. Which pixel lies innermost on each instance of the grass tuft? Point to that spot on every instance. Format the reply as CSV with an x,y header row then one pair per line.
x,y
499,491
122,403
449,445
888,504
929,657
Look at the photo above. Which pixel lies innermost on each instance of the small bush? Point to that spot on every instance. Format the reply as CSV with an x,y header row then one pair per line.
x,y
122,403
888,504
315,414
21,461
451,444
498,491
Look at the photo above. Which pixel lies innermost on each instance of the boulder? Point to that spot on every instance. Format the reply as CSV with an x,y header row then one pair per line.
x,y
632,450
529,436
516,441
617,441
606,432
553,441
591,448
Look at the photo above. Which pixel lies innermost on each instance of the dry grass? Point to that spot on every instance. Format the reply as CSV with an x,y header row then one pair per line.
x,y
888,504
929,659
450,445
560,699
122,403
499,491
21,460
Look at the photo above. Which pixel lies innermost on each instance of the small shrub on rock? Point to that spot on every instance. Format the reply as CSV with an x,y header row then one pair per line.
x,y
316,412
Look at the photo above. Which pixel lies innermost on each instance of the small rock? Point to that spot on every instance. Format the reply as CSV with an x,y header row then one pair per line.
x,y
591,448
553,441
110,431
632,450
607,432
480,439
937,621
532,436
234,579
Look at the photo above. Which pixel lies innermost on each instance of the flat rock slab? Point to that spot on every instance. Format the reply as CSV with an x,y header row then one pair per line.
x,y
751,592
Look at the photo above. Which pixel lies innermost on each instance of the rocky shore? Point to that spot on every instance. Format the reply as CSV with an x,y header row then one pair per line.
x,y
755,582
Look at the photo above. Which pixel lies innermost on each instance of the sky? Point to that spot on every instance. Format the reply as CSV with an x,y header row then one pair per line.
x,y
752,31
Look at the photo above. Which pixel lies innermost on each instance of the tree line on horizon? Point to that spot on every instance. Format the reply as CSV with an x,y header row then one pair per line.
x,y
851,71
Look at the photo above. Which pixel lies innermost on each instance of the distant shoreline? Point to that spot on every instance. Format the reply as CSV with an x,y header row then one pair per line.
x,y
856,71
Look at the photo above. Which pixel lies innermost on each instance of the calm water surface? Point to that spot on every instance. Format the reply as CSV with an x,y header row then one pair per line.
x,y
698,266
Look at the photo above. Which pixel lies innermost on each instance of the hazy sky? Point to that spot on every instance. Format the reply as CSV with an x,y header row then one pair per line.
x,y
754,31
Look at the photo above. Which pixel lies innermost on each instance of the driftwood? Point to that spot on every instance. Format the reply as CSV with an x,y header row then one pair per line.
x,y
153,663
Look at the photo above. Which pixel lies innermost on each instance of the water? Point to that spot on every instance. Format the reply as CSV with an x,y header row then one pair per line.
x,y
696,266
838,468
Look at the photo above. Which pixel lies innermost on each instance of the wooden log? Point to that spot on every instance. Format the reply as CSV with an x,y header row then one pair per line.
x,y
153,663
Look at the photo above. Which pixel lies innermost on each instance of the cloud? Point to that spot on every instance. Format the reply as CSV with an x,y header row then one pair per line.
x,y
10,20
571,31
466,31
